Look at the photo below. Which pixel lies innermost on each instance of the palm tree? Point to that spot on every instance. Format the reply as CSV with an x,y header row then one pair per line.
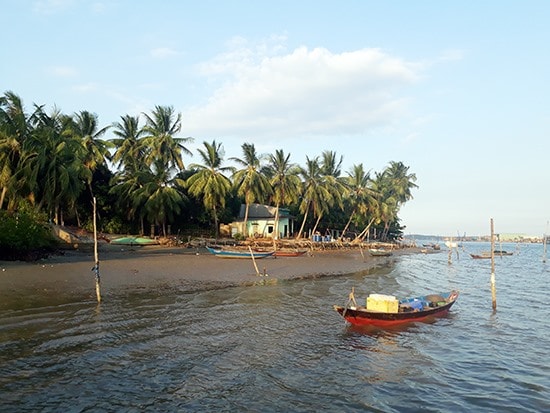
x,y
397,182
54,164
96,150
317,194
14,130
162,153
133,172
209,181
401,181
129,151
332,182
250,182
160,130
160,196
360,194
283,177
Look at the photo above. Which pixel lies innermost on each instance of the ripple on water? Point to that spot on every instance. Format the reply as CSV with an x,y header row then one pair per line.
x,y
281,347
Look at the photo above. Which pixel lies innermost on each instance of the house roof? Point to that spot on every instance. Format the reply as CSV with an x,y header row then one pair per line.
x,y
258,211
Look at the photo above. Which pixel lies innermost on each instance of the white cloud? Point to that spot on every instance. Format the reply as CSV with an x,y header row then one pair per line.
x,y
301,93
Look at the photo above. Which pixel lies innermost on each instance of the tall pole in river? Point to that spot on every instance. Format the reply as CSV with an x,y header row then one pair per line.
x,y
493,286
96,257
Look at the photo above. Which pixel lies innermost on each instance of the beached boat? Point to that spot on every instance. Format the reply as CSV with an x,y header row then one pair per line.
x,y
387,311
289,253
284,253
379,252
134,241
226,253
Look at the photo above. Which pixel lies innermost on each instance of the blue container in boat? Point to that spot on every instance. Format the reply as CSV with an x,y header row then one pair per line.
x,y
416,305
317,238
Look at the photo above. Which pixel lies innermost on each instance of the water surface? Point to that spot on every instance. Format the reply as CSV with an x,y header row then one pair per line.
x,y
279,346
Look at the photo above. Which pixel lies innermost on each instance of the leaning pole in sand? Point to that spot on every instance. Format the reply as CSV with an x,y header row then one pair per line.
x,y
493,286
253,260
96,257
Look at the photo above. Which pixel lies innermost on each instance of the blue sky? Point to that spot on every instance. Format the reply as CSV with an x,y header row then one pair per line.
x,y
458,91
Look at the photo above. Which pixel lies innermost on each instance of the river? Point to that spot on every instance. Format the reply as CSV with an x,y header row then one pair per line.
x,y
278,346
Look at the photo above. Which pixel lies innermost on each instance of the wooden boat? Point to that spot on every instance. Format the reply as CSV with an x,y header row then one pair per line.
x,y
487,254
407,310
379,252
502,252
224,253
284,253
289,253
134,241
480,256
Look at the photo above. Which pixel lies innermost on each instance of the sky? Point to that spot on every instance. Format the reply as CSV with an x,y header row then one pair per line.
x,y
458,91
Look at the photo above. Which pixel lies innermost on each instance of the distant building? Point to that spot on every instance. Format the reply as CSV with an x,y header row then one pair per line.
x,y
261,222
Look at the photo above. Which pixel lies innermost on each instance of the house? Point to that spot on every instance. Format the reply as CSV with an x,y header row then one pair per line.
x,y
261,222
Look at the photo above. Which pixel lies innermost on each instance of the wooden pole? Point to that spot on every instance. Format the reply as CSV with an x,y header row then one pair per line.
x,y
493,281
254,261
96,257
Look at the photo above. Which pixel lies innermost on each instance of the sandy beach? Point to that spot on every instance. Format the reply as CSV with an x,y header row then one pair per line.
x,y
186,269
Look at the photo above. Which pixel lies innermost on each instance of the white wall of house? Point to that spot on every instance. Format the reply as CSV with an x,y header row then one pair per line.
x,y
262,224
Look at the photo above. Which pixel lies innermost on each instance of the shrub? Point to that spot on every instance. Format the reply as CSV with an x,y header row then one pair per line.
x,y
24,235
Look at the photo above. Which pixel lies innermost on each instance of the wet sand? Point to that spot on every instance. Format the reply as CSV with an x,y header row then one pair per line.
x,y
173,267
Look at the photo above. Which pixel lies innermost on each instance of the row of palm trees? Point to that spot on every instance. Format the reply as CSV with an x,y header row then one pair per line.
x,y
56,163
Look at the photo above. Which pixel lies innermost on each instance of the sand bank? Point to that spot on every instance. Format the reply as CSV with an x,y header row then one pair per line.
x,y
174,267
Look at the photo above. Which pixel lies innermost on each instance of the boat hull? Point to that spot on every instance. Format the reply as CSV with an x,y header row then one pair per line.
x,y
239,254
134,241
289,253
380,253
363,317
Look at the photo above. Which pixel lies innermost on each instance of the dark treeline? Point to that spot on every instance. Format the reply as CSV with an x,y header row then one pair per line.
x,y
53,164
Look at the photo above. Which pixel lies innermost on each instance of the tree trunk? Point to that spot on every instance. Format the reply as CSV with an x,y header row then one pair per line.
x,y
216,222
347,225
3,195
363,233
276,234
245,229
316,224
78,223
303,223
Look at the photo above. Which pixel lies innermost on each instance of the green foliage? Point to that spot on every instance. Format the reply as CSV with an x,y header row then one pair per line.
x,y
239,237
24,235
58,163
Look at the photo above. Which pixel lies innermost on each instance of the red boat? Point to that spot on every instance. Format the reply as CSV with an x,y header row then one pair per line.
x,y
406,310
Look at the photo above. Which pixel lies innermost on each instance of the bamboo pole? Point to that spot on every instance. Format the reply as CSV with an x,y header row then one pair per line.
x,y
96,257
493,281
254,261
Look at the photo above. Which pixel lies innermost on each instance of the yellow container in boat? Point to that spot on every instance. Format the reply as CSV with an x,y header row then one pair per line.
x,y
382,303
